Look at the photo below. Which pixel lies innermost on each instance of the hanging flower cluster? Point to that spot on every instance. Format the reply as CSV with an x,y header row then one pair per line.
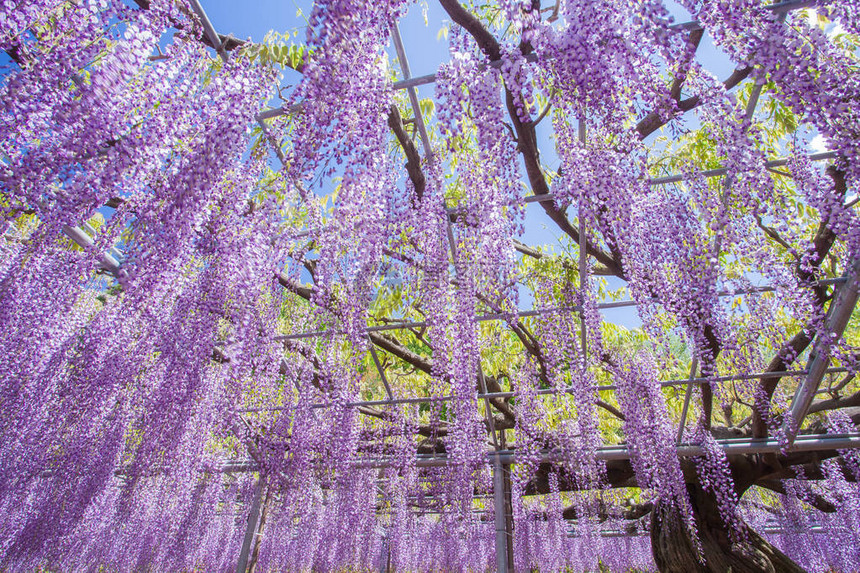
x,y
716,477
650,437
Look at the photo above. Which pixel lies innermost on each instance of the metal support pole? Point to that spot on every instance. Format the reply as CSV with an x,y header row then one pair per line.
x,y
385,555
208,28
413,93
753,101
251,529
583,262
482,384
837,319
76,234
381,372
500,518
687,397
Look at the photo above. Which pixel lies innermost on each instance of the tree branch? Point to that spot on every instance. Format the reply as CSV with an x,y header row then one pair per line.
x,y
567,264
779,363
813,499
413,159
486,42
611,409
654,120
527,145
394,347
227,42
835,403
525,133
386,343
630,513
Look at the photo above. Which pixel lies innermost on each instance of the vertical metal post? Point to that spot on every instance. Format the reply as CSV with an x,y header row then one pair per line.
x,y
500,518
583,262
251,529
413,93
689,394
385,555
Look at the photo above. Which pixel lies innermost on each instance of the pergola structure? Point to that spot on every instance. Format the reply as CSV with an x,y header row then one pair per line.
x,y
789,441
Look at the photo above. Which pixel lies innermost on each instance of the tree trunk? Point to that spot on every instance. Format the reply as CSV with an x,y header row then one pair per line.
x,y
675,552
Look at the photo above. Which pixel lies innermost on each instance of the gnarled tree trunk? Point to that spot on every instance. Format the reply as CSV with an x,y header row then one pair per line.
x,y
675,552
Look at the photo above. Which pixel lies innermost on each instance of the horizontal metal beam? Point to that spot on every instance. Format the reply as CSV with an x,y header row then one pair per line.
x,y
112,265
777,8
779,530
738,446
528,313
549,197
76,234
723,170
543,391
423,323
708,173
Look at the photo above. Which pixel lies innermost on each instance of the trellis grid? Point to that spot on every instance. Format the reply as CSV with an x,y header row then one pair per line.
x,y
817,367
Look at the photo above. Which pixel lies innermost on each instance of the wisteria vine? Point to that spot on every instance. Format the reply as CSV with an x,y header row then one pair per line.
x,y
312,339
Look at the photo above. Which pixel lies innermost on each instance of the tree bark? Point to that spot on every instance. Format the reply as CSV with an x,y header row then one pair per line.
x,y
675,551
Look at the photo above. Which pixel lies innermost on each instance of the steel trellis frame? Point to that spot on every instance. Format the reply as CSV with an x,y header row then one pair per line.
x,y
549,197
411,83
816,369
